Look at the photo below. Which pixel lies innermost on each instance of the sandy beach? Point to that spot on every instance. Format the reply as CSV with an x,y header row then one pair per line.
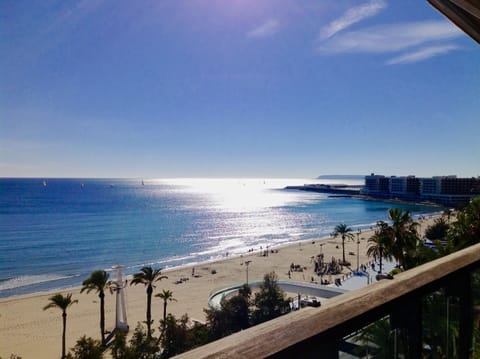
x,y
30,332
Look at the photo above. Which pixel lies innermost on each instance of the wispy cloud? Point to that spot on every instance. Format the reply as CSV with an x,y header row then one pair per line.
x,y
421,54
352,16
267,29
390,38
418,40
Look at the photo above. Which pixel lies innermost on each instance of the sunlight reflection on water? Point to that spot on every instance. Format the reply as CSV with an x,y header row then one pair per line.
x,y
242,195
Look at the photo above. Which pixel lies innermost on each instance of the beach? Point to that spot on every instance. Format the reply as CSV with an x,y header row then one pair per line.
x,y
30,332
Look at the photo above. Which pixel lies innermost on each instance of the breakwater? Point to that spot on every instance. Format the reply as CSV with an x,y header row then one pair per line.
x,y
345,190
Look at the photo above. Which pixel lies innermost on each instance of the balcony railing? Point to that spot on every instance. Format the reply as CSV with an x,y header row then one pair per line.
x,y
322,332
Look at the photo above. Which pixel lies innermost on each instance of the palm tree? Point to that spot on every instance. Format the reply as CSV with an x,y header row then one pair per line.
x,y
404,236
346,233
379,245
166,296
98,281
61,302
147,276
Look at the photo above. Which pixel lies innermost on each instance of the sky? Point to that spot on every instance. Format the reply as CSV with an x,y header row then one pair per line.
x,y
235,88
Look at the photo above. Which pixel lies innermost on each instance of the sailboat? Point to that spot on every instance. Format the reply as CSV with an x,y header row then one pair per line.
x,y
44,183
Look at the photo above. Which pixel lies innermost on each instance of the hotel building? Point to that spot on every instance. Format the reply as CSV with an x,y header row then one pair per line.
x,y
445,190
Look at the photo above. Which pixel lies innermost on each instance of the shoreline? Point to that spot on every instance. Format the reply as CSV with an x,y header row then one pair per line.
x,y
28,331
219,257
38,276
347,192
167,270
398,200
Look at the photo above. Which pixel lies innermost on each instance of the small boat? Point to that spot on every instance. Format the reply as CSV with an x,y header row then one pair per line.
x,y
44,183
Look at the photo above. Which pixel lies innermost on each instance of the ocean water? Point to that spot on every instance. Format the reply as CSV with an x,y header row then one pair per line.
x,y
55,232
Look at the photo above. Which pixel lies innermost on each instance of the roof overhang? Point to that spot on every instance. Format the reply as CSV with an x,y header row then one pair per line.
x,y
463,13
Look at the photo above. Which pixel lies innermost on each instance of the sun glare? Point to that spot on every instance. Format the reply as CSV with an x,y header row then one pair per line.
x,y
239,195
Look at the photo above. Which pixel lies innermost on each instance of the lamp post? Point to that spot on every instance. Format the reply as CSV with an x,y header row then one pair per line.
x,y
247,263
358,249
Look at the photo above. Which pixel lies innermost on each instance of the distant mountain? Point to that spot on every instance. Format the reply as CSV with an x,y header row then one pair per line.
x,y
345,177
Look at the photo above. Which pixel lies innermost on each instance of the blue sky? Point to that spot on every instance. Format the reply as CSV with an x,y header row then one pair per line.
x,y
235,88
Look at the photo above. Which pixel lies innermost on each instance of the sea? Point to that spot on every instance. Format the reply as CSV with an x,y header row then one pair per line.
x,y
55,232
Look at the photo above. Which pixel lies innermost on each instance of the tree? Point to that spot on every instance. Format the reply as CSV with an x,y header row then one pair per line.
x,y
197,335
147,276
380,243
465,231
238,308
346,233
87,348
98,281
405,237
175,339
178,338
377,339
119,348
440,249
232,316
142,346
441,332
166,296
217,322
63,303
270,301
139,346
438,230
245,291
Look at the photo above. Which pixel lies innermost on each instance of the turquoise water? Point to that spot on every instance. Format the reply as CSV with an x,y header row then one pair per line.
x,y
54,233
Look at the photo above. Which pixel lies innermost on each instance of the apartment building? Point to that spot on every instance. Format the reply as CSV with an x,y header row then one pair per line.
x,y
445,190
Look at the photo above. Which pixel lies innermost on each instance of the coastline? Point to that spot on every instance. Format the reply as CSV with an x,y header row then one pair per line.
x,y
28,331
398,200
81,236
351,191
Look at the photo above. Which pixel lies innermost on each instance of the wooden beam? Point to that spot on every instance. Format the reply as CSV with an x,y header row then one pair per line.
x,y
469,7
462,13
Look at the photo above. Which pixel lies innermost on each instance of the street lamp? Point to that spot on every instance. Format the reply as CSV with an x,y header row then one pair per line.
x,y
247,263
358,249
